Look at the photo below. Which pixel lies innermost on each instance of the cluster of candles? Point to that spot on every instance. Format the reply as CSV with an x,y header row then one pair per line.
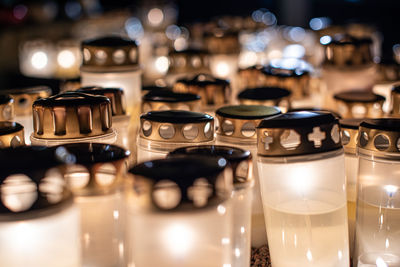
x,y
113,174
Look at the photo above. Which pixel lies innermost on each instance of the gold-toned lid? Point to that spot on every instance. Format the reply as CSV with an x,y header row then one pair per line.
x,y
6,108
32,183
24,98
177,126
395,95
295,80
11,134
241,121
359,104
213,91
380,135
71,115
345,50
116,96
99,169
168,100
110,53
188,61
239,160
298,133
349,134
220,41
185,184
266,96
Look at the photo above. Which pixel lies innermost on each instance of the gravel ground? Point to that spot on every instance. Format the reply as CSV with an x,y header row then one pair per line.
x,y
260,257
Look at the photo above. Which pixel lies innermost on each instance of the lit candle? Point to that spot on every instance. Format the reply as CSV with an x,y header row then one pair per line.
x,y
72,117
303,188
356,104
378,193
163,131
96,181
237,127
36,59
23,101
349,134
114,62
39,225
241,164
11,134
167,100
266,96
179,213
68,59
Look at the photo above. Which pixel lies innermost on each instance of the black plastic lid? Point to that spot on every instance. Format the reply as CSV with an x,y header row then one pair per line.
x,y
337,115
4,99
346,39
280,72
176,116
190,51
169,96
109,41
350,123
247,112
91,153
204,80
298,119
359,96
8,127
71,99
264,93
392,125
231,154
95,90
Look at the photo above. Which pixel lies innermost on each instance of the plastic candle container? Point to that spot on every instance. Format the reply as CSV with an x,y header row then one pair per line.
x,y
378,194
114,62
167,100
359,104
96,181
266,96
120,120
11,134
241,164
6,108
179,213
395,107
214,92
238,128
23,101
39,225
163,131
303,188
72,117
349,134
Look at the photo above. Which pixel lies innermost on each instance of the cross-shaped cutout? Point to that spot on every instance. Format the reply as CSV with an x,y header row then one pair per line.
x,y
317,136
267,140
199,192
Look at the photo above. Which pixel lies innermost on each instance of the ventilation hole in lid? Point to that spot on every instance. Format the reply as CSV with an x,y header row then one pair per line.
x,y
227,127
146,128
119,56
18,192
345,137
208,131
359,111
166,194
77,176
381,142
290,139
335,135
199,192
190,131
248,129
317,136
167,131
53,186
363,139
106,174
242,171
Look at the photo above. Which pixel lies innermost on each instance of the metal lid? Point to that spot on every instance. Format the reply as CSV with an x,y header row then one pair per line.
x,y
189,60
349,134
32,183
395,95
99,168
213,91
359,104
295,80
380,135
181,183
240,160
24,97
346,50
168,100
11,134
271,96
222,42
241,121
298,133
71,115
116,96
6,108
177,126
109,53
337,115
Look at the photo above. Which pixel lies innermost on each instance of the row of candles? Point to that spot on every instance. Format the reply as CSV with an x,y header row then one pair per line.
x,y
188,210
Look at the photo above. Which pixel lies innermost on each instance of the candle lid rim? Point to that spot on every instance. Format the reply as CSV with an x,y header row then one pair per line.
x,y
359,96
8,127
176,116
169,96
299,119
248,112
264,93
